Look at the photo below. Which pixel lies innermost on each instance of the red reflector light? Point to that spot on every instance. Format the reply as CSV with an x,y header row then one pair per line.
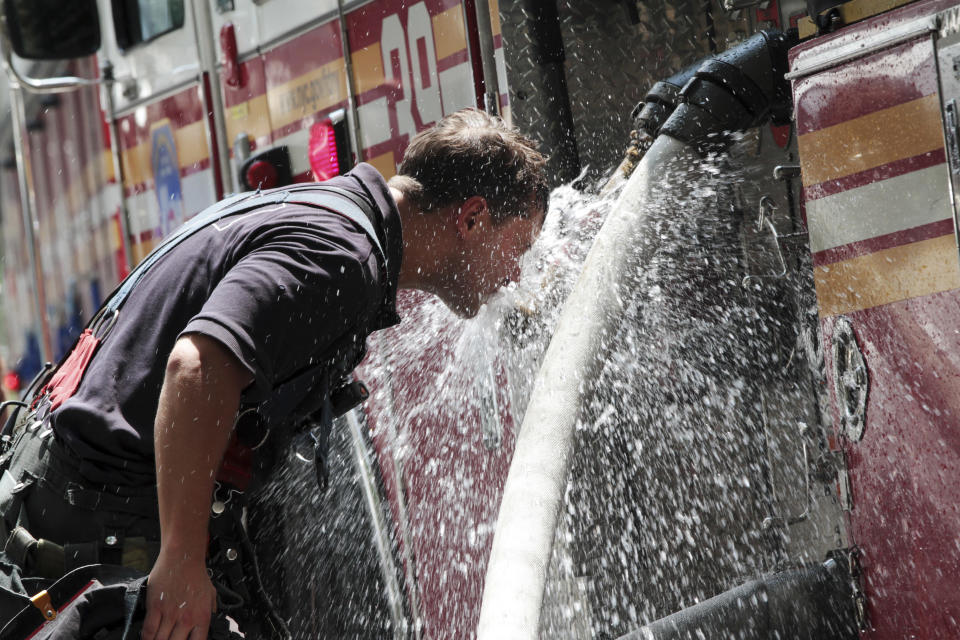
x,y
323,151
12,381
262,175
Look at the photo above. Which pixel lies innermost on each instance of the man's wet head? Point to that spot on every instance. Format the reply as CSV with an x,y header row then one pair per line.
x,y
472,194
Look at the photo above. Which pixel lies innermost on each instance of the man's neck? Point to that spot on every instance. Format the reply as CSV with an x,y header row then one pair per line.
x,y
414,271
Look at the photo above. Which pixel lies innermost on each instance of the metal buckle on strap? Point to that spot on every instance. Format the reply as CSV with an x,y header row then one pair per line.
x,y
104,322
223,494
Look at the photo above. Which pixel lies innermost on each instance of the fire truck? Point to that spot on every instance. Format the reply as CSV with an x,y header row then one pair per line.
x,y
818,501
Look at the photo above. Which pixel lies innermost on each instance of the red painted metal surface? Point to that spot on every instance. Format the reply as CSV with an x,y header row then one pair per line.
x,y
876,82
905,472
452,484
365,27
232,74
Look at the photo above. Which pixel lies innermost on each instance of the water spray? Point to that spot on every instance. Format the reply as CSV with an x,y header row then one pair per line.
x,y
739,89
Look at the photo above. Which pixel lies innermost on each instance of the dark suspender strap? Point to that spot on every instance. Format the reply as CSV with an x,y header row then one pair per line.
x,y
200,221
333,199
375,221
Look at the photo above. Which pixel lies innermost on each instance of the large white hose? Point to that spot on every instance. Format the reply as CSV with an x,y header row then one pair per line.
x,y
533,494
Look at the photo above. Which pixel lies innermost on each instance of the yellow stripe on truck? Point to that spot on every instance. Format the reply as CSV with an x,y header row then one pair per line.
x,y
449,33
870,141
900,273
495,16
191,141
367,68
305,95
141,248
106,160
136,165
851,12
251,117
385,164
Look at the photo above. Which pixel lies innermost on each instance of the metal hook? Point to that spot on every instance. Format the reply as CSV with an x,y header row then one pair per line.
x,y
767,205
780,522
99,321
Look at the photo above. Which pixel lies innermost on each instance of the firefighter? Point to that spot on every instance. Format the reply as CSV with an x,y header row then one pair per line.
x,y
120,460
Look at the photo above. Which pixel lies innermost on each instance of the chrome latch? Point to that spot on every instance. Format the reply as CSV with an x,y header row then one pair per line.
x,y
851,380
779,522
786,172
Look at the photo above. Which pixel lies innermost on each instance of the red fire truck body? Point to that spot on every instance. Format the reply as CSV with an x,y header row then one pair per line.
x,y
199,99
176,123
875,136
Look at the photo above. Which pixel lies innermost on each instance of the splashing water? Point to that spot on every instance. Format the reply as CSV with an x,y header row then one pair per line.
x,y
670,468
447,397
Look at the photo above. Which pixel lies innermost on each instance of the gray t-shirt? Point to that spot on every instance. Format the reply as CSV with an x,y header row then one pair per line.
x,y
283,287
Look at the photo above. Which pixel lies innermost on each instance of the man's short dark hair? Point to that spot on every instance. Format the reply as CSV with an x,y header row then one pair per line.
x,y
472,153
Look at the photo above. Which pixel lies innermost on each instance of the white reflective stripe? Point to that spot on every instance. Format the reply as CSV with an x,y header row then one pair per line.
x,y
456,83
196,191
104,203
142,210
374,122
501,70
298,143
876,209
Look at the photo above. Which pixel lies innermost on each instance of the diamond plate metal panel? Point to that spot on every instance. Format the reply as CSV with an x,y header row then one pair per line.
x,y
614,51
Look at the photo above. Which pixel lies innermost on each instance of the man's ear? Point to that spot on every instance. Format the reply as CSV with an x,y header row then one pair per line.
x,y
472,215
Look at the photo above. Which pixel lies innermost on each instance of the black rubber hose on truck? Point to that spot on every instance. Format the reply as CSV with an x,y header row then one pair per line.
x,y
660,102
734,91
813,603
739,89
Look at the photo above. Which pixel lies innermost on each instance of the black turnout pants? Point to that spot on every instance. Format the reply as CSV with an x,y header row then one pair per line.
x,y
103,523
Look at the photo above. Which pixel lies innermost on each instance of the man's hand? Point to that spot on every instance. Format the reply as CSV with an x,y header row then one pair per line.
x,y
180,601
198,405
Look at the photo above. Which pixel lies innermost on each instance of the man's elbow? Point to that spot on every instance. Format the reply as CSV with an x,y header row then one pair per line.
x,y
200,360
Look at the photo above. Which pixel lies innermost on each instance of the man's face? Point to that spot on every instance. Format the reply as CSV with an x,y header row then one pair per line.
x,y
491,259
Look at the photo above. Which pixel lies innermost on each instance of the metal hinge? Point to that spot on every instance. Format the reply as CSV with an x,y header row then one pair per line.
x,y
851,560
953,145
831,468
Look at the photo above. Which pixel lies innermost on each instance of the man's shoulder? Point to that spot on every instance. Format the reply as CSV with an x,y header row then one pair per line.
x,y
361,177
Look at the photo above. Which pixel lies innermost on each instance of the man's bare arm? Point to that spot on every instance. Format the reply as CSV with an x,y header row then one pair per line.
x,y
198,406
